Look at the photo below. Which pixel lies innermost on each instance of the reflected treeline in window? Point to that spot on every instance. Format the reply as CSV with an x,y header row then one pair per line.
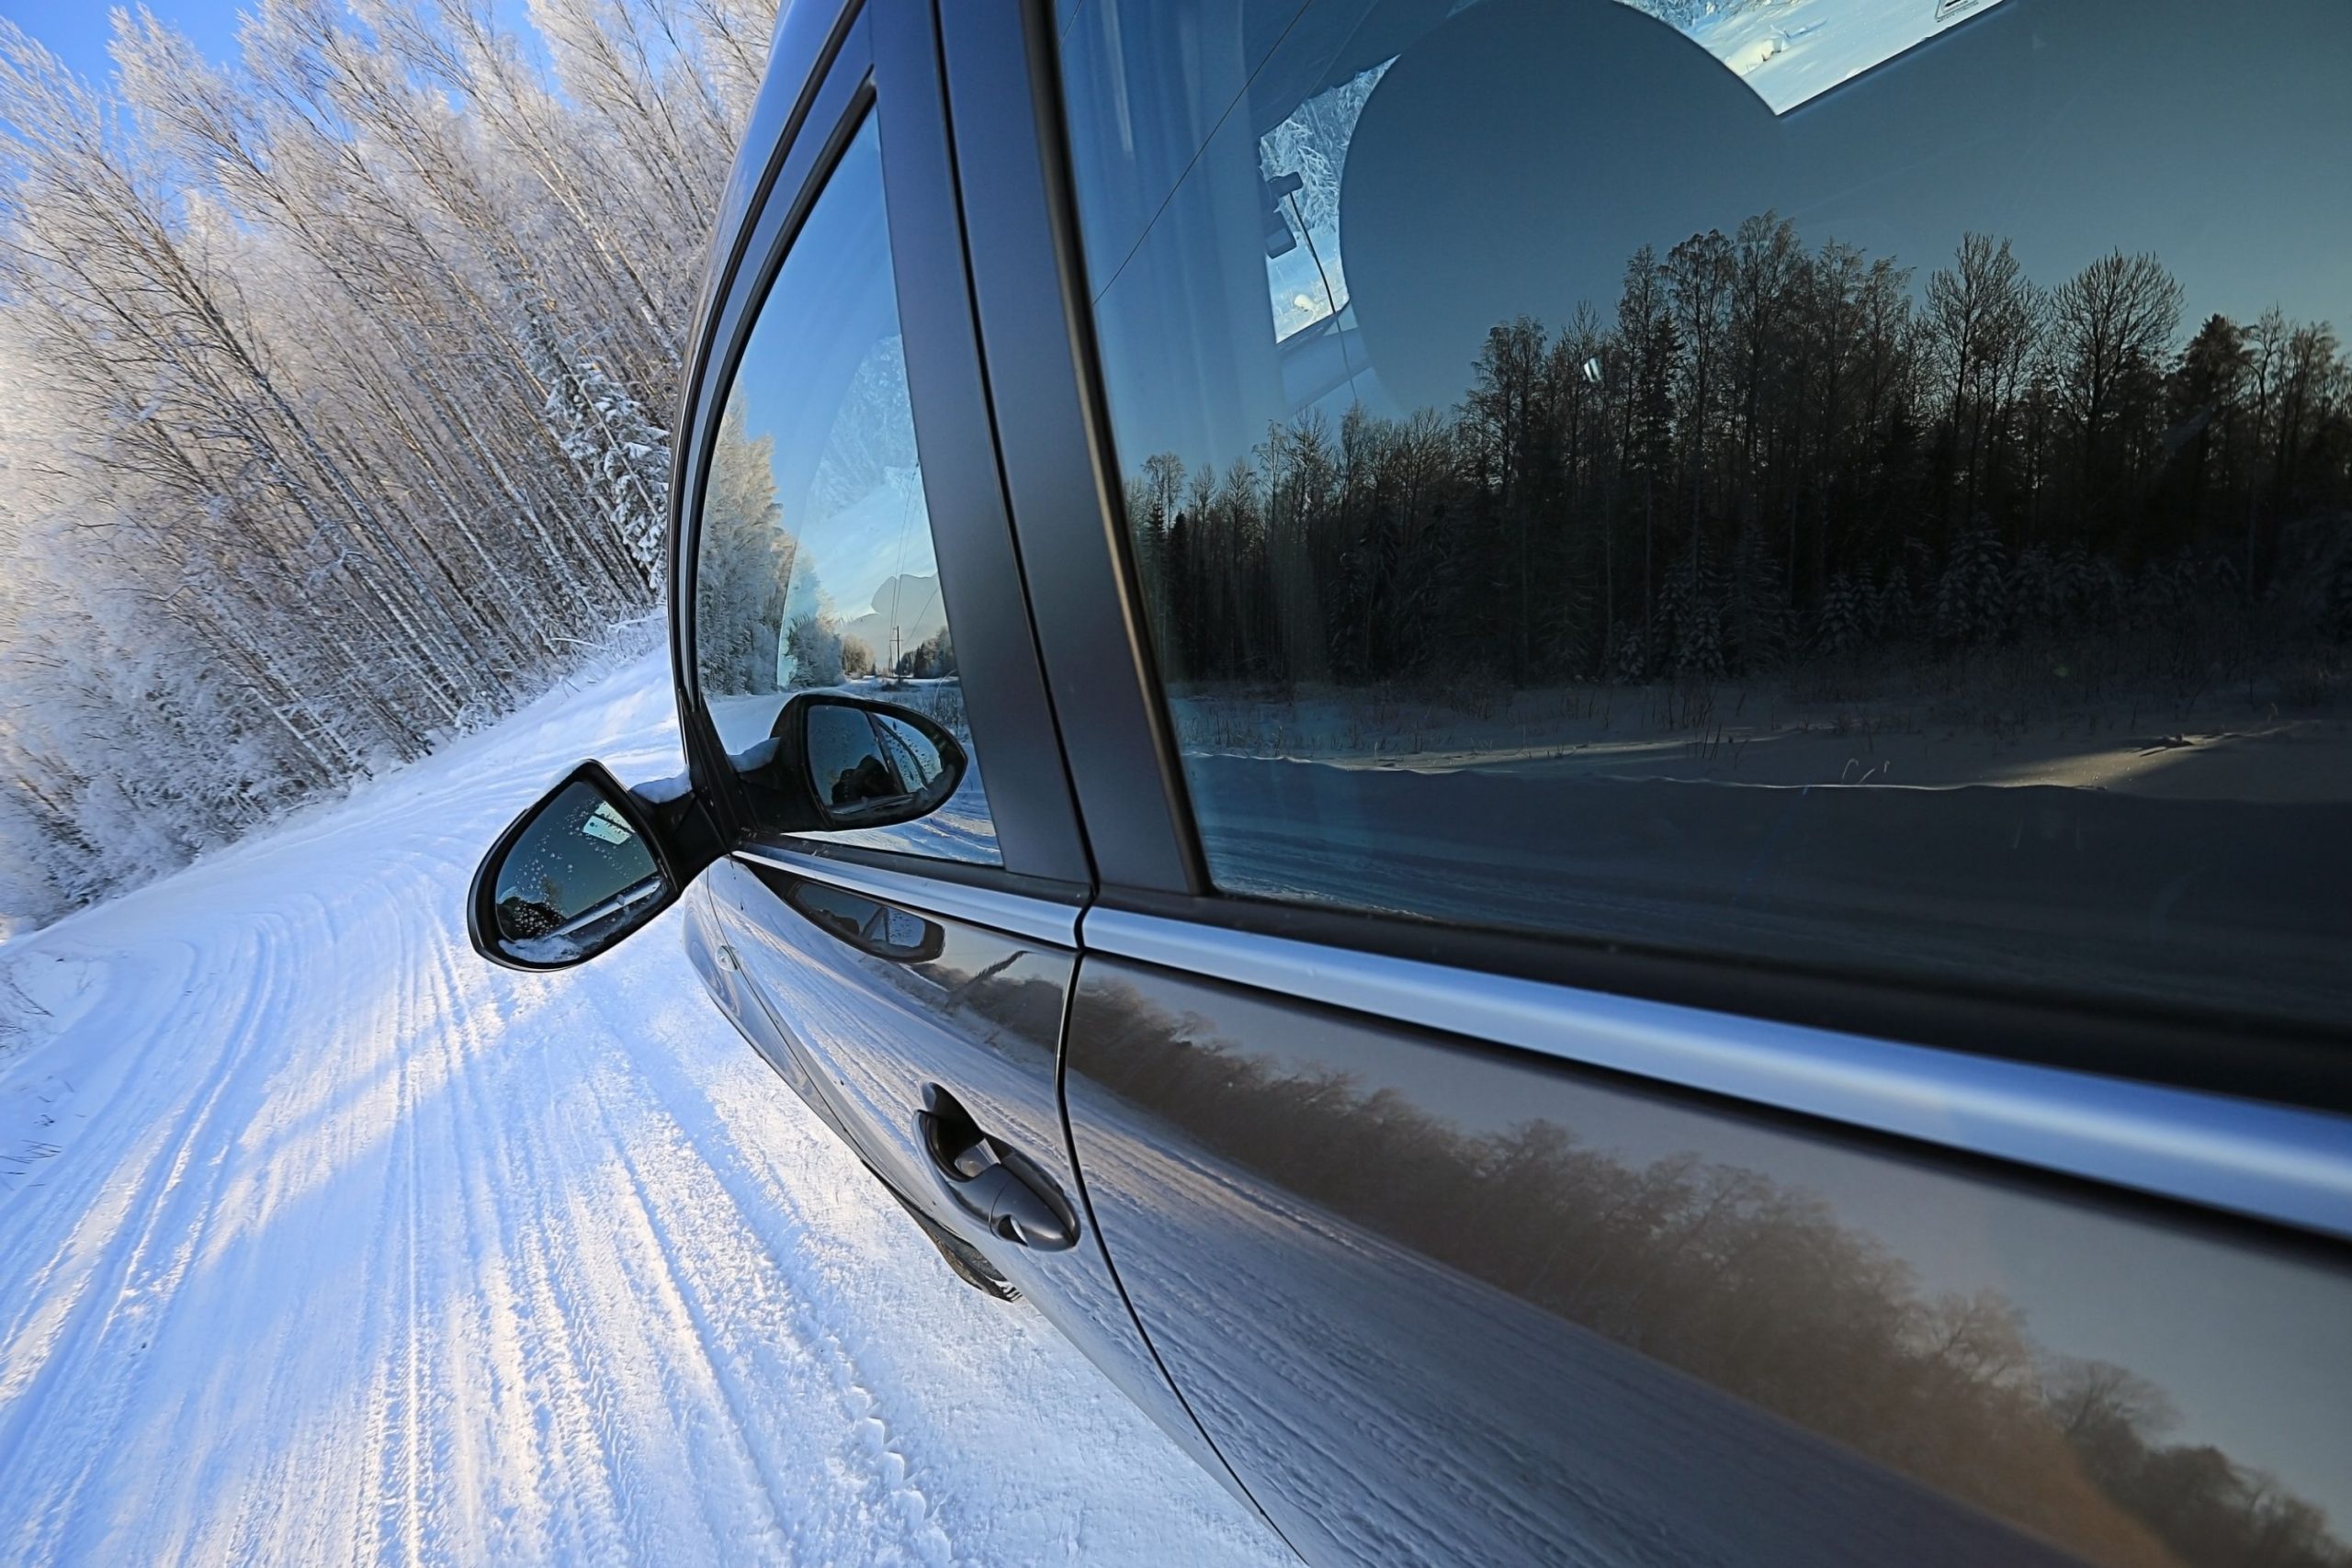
x,y
1766,457
1750,1282
1667,454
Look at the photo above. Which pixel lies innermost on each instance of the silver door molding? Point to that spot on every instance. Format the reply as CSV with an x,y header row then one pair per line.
x,y
2271,1162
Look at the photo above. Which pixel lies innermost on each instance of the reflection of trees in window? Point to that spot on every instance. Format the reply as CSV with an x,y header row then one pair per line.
x,y
1768,455
812,650
1739,1279
743,560
932,657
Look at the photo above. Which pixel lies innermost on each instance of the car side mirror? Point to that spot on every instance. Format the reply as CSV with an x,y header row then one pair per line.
x,y
834,762
590,864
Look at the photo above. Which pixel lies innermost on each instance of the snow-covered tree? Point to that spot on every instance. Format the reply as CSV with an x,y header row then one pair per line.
x,y
1972,595
1844,621
744,558
812,651
623,458
330,369
1690,617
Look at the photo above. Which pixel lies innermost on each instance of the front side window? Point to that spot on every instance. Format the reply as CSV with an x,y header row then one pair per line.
x,y
814,563
1859,486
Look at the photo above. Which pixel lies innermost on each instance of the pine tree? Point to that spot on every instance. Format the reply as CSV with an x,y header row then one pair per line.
x,y
1844,621
1689,620
812,651
1755,608
1972,594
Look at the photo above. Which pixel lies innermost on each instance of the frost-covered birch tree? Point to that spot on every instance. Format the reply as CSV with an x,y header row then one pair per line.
x,y
337,375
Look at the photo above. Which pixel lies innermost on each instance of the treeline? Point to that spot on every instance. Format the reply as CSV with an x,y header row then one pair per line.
x,y
1750,1284
821,655
1769,454
337,377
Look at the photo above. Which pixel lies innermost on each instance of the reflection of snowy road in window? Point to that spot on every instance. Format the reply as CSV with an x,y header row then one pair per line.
x,y
2067,888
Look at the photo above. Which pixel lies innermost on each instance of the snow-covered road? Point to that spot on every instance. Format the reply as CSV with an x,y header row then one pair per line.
x,y
322,1241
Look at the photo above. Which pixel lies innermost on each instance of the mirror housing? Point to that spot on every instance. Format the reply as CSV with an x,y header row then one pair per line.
x,y
833,761
591,861
585,866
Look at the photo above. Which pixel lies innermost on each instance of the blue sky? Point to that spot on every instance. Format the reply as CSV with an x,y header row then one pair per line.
x,y
77,30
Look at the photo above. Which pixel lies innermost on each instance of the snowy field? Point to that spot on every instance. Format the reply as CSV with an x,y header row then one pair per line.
x,y
322,1241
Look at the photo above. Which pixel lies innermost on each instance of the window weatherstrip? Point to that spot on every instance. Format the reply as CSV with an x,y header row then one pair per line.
x,y
1040,919
2275,1163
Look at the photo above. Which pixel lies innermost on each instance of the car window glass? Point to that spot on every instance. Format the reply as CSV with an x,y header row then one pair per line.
x,y
1861,486
814,564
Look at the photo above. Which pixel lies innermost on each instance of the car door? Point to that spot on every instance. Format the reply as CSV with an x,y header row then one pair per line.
x,y
1690,963
844,532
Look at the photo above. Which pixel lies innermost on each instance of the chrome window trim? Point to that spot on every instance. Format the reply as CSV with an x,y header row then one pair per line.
x,y
1039,920
2272,1162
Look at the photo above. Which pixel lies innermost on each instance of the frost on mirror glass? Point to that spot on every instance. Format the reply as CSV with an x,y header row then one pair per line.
x,y
574,880
815,568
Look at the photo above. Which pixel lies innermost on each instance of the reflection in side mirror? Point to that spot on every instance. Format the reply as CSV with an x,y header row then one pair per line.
x,y
574,875
852,763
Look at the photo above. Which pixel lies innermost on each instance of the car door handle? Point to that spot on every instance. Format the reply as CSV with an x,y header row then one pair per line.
x,y
989,1179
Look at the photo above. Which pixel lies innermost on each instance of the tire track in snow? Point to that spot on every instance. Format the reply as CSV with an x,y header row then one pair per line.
x,y
885,1458
433,1262
868,1466
581,1453
131,1294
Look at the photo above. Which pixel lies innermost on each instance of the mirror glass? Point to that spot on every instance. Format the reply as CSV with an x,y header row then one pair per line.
x,y
867,765
577,876
911,752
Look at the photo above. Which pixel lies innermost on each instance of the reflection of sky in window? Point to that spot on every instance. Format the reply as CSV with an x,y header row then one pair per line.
x,y
1788,52
2033,120
824,377
865,554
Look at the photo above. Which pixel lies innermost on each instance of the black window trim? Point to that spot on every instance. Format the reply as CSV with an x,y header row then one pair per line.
x,y
801,60
1054,440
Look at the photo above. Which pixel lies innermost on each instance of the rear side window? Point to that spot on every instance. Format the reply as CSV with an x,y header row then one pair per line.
x,y
1856,486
